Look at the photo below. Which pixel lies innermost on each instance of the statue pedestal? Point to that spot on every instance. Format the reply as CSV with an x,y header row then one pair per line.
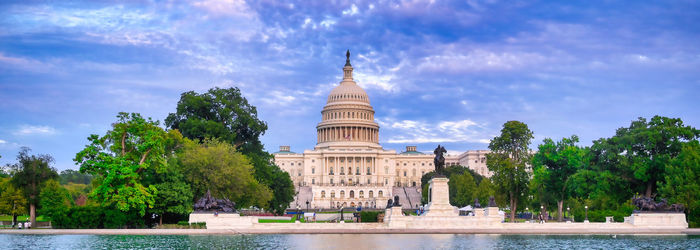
x,y
439,199
223,220
660,220
479,212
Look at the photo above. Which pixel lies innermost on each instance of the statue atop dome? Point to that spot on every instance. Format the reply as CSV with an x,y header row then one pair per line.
x,y
347,58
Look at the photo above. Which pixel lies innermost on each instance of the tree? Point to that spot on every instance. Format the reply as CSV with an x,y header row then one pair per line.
x,y
29,174
12,201
174,194
119,159
484,191
217,167
552,165
508,162
226,115
54,200
640,152
220,113
682,181
465,189
73,176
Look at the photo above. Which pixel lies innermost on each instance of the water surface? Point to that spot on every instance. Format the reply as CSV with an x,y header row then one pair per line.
x,y
347,241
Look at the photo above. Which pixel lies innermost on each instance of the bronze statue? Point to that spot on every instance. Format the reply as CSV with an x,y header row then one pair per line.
x,y
209,204
347,58
648,204
396,201
492,202
439,160
389,203
476,203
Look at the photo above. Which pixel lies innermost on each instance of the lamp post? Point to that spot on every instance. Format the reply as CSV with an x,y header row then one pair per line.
x,y
298,215
586,214
542,211
527,211
568,212
307,205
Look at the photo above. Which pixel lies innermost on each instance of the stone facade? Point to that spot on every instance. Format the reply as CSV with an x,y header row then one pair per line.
x,y
348,167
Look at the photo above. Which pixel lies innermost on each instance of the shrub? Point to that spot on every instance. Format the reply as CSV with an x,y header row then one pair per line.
x,y
369,216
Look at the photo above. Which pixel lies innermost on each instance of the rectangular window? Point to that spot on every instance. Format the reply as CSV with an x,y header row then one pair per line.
x,y
313,181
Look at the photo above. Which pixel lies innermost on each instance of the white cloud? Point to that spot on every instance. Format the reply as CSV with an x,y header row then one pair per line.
x,y
479,60
237,8
410,131
35,130
352,11
3,141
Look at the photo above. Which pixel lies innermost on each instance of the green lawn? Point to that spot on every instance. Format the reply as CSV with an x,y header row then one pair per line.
x,y
21,218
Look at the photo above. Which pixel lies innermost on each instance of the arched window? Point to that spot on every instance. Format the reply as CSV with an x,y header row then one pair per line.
x,y
332,194
323,194
369,172
371,194
380,193
352,194
331,173
342,194
404,173
362,194
331,181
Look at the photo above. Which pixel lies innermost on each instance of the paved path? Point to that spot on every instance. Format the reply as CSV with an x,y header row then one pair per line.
x,y
345,231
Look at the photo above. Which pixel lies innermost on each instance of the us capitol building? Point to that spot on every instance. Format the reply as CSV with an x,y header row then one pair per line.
x,y
348,167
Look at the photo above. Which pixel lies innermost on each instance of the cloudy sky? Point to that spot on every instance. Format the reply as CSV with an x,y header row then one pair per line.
x,y
449,72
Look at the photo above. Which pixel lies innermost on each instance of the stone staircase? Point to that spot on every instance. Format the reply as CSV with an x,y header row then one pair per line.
x,y
408,196
300,199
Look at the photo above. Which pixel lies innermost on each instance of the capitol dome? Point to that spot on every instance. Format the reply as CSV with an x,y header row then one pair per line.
x,y
347,118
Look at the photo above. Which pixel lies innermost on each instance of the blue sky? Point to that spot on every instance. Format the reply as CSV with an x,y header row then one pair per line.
x,y
449,72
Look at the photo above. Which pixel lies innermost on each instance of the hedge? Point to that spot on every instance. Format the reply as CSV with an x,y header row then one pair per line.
x,y
369,216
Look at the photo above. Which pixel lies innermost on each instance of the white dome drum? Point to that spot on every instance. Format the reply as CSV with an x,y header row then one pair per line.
x,y
348,117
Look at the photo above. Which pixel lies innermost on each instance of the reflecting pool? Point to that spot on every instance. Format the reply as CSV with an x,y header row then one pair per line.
x,y
348,241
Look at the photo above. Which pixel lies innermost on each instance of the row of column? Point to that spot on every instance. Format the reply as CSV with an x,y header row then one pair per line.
x,y
336,165
348,115
347,134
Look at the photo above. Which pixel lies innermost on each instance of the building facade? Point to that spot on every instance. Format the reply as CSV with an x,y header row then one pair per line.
x,y
348,167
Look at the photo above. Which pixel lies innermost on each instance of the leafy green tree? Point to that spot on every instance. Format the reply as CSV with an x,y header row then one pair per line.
x,y
174,194
74,176
54,200
228,176
29,174
552,165
220,113
119,159
641,152
508,162
12,200
465,189
226,115
682,181
484,191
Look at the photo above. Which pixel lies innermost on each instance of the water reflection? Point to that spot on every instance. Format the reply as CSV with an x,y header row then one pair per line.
x,y
346,241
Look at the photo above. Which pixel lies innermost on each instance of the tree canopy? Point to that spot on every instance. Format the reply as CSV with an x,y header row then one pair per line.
x,y
552,165
29,174
508,161
119,159
225,115
217,167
